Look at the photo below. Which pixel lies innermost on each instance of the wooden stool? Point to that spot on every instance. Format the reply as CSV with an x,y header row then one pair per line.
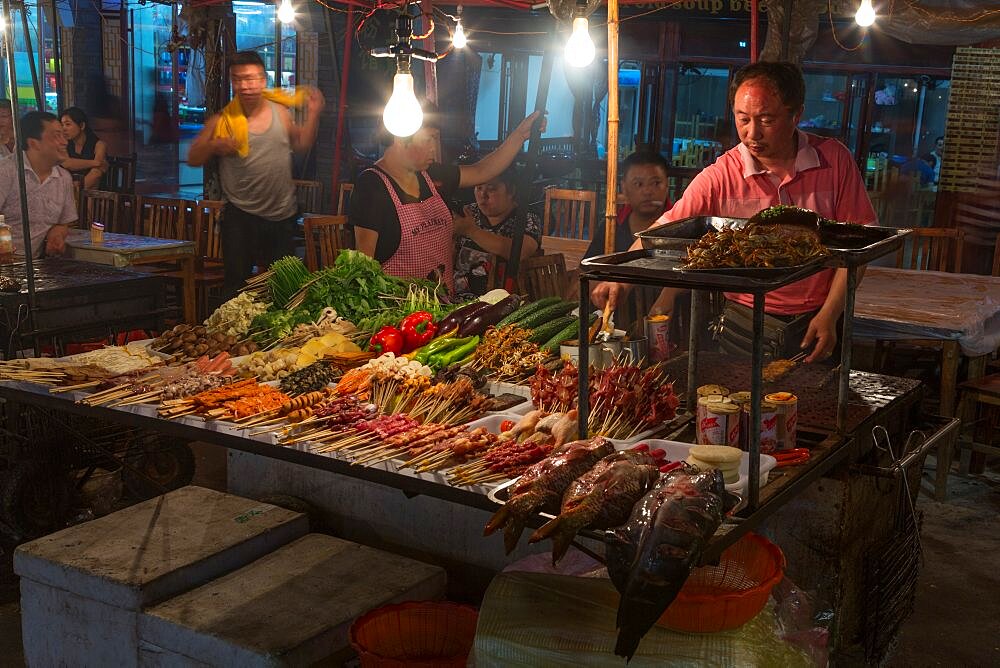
x,y
292,607
972,393
82,588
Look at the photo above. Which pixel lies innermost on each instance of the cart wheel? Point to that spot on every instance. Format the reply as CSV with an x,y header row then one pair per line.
x,y
34,499
153,466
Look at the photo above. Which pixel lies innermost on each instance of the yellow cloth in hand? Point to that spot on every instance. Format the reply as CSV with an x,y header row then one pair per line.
x,y
233,122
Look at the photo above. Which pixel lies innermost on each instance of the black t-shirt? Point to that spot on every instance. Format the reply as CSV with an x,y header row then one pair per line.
x,y
372,207
89,151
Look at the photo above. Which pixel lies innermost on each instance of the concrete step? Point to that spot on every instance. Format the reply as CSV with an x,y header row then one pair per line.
x,y
81,588
292,607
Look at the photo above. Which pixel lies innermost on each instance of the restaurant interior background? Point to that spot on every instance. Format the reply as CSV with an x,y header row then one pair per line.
x,y
888,106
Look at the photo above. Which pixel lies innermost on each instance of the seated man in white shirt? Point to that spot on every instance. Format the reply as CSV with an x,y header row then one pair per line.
x,y
51,206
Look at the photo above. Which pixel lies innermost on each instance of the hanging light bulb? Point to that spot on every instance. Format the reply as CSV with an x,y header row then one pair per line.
x,y
579,47
866,14
403,115
286,13
458,38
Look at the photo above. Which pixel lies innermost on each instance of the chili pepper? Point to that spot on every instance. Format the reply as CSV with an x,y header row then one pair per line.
x,y
418,329
386,340
435,359
438,345
456,354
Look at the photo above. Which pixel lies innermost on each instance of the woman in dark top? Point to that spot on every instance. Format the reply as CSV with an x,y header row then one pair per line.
x,y
398,212
486,235
87,154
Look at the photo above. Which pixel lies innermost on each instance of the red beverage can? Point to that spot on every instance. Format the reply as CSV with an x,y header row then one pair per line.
x,y
718,421
768,422
658,337
786,406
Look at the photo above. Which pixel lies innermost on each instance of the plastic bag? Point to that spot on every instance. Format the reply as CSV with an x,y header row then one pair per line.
x,y
803,621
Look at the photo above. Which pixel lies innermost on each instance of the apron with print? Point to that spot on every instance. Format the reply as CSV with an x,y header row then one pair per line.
x,y
425,236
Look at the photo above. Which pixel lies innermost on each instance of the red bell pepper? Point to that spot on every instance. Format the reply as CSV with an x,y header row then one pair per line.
x,y
418,329
386,340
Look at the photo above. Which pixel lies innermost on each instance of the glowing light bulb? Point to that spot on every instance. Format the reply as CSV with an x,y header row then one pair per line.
x,y
3,24
403,115
286,13
458,39
866,14
579,46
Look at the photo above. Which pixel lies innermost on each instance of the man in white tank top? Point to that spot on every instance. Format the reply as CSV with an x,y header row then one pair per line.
x,y
258,223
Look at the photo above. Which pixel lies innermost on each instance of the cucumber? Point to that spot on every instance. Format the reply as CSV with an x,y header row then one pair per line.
x,y
547,314
527,310
567,333
546,331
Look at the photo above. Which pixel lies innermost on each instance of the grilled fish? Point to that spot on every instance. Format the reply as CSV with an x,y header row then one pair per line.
x,y
650,557
544,483
602,497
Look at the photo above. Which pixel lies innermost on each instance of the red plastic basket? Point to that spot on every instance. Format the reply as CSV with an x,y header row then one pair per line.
x,y
727,596
416,634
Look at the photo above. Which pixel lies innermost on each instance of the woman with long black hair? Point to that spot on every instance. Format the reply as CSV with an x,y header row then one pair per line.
x,y
87,154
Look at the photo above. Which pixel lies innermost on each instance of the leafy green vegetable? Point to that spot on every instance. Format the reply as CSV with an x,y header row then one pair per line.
x,y
288,275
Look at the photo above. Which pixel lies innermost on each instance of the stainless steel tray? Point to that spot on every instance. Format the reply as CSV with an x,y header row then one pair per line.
x,y
848,244
661,267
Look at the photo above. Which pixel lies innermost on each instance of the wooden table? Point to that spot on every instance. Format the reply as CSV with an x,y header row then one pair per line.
x,y
962,311
128,250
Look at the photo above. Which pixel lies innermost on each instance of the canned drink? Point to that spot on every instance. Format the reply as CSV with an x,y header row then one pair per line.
x,y
768,422
712,390
718,421
658,337
786,406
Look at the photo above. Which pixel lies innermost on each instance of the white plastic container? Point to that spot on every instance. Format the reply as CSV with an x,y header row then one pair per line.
x,y
677,451
492,424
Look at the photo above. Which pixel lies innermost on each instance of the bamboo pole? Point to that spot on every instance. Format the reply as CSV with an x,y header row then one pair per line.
x,y
610,205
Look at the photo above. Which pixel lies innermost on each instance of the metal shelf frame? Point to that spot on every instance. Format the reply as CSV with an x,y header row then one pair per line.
x,y
590,271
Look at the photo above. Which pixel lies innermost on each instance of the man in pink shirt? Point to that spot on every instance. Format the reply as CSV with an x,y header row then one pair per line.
x,y
775,163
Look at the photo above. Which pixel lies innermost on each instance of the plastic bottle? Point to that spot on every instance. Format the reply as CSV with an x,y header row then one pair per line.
x,y
6,243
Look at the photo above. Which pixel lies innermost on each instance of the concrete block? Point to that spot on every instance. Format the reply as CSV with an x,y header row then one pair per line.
x,y
82,587
292,607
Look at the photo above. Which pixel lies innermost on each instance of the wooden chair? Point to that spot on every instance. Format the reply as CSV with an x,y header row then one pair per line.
x,y
344,198
325,237
308,194
120,177
208,242
208,232
544,276
163,217
569,213
926,249
932,249
107,208
573,250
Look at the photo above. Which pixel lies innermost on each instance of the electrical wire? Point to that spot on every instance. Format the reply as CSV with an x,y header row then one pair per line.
x,y
833,31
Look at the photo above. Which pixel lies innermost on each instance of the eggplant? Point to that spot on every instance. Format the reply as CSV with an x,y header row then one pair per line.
x,y
460,315
480,321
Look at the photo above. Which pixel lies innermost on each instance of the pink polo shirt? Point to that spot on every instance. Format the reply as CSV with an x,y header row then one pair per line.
x,y
825,179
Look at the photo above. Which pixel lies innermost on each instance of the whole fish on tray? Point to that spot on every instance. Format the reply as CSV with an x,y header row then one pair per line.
x,y
650,557
543,483
601,498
